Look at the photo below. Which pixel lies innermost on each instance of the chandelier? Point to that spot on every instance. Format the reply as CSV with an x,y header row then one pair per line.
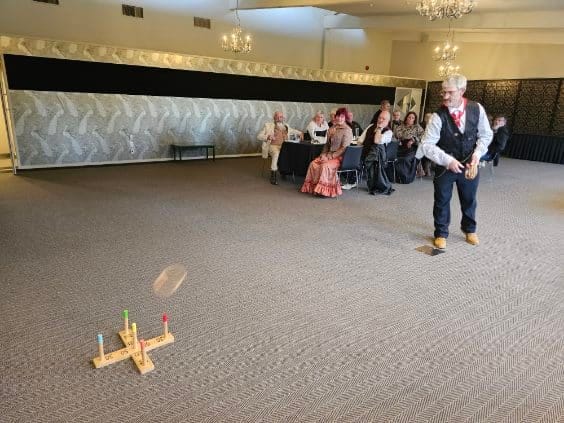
x,y
441,9
445,52
236,42
447,69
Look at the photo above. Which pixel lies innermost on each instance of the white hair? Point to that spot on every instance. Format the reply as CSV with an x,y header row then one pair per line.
x,y
456,80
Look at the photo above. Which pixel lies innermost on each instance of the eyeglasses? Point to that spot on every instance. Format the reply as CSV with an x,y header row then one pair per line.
x,y
450,92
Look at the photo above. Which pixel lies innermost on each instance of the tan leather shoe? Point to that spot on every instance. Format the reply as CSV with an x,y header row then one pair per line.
x,y
472,239
440,242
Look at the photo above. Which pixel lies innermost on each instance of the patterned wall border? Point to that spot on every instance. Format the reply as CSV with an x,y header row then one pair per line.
x,y
100,53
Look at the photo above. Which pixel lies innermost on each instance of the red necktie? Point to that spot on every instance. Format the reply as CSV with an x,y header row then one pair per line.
x,y
456,115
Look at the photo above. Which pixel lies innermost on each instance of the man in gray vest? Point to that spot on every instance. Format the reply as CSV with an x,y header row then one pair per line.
x,y
457,135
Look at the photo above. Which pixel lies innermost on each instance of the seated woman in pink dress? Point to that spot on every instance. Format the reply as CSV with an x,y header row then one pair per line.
x,y
321,174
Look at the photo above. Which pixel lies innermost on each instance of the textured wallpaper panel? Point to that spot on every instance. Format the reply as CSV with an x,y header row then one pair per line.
x,y
57,129
536,105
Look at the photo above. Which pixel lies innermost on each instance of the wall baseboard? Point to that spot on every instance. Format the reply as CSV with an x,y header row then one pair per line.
x,y
143,161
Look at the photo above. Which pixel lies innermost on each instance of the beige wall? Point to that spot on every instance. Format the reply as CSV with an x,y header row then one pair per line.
x,y
353,49
282,36
481,60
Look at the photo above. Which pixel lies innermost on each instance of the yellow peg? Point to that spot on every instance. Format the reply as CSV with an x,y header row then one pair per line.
x,y
134,330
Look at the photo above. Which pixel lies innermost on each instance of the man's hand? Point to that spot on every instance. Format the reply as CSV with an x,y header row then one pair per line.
x,y
474,161
472,167
378,136
455,166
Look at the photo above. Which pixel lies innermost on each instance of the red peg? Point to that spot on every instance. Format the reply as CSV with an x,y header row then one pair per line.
x,y
165,318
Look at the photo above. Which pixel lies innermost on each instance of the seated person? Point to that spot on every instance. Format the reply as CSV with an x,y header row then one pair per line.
x,y
385,105
408,134
396,120
321,178
501,135
317,128
355,126
332,117
374,140
272,136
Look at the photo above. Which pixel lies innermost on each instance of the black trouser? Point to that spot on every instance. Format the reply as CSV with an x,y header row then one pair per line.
x,y
375,163
444,179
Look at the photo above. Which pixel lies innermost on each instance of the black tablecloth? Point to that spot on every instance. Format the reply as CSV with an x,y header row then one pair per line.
x,y
295,157
538,148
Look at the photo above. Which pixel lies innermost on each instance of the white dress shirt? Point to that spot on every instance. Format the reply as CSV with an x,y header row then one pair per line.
x,y
386,136
429,148
312,127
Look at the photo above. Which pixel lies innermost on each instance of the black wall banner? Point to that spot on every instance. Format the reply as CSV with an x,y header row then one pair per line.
x,y
47,74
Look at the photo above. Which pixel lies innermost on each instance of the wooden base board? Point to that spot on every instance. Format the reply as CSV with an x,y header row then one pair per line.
x,y
135,354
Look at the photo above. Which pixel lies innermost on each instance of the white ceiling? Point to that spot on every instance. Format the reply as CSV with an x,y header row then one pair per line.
x,y
397,7
400,15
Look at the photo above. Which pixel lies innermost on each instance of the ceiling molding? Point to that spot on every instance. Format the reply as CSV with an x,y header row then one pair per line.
x,y
270,4
545,20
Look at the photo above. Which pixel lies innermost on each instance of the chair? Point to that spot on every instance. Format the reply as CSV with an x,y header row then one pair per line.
x,y
350,163
392,157
492,163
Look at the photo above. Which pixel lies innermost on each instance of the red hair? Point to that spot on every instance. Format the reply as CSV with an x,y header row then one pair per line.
x,y
342,111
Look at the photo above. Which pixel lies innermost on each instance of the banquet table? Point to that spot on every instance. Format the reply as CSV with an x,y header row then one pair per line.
x,y
295,158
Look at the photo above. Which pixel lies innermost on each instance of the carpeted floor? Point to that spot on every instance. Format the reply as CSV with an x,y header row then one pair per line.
x,y
294,309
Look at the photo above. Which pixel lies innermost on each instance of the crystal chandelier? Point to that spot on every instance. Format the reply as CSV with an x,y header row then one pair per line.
x,y
447,69
236,42
445,52
441,9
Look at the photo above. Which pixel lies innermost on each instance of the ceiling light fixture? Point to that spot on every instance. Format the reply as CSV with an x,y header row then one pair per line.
x,y
447,69
446,53
236,42
444,9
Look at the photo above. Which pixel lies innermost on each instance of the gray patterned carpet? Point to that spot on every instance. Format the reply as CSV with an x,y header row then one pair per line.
x,y
294,309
